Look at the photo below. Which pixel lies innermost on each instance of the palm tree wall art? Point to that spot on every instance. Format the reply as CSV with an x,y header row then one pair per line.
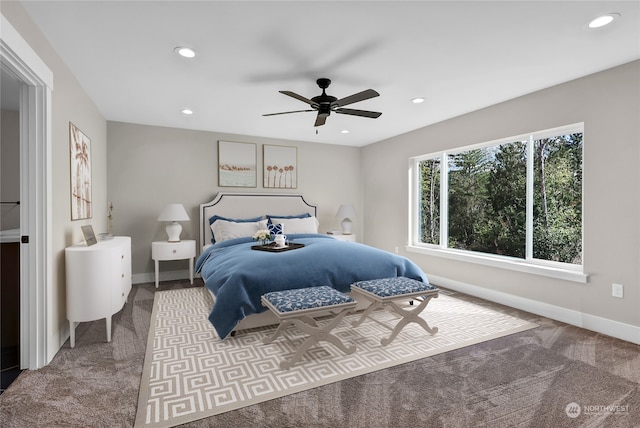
x,y
80,149
280,167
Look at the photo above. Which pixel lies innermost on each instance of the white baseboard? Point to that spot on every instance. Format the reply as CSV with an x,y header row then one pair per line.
x,y
627,332
139,278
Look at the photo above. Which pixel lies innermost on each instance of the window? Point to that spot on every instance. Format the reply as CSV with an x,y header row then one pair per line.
x,y
519,197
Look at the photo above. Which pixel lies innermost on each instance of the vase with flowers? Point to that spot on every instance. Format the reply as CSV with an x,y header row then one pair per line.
x,y
263,236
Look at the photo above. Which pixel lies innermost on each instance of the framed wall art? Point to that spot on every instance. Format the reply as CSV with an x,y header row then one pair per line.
x,y
237,165
280,167
80,149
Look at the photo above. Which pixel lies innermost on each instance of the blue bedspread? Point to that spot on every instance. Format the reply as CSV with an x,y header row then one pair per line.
x,y
238,276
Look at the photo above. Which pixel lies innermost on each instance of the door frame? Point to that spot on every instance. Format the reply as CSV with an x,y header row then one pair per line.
x,y
36,260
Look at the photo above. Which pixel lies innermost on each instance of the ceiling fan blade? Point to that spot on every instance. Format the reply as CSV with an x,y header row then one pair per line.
x,y
286,112
360,96
363,113
321,119
300,97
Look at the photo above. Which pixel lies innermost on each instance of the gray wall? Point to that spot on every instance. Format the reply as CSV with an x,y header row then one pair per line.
x,y
150,166
609,105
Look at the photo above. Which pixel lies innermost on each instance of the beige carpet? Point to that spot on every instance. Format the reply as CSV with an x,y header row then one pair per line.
x,y
189,373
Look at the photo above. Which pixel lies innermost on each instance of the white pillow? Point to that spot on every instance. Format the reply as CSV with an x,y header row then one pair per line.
x,y
224,230
292,226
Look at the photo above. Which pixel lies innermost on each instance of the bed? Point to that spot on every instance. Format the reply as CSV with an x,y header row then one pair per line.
x,y
237,275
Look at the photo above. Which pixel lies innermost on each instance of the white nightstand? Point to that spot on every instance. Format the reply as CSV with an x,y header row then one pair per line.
x,y
164,250
342,237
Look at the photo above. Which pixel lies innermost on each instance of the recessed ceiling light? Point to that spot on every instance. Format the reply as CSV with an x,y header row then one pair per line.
x,y
417,100
344,131
187,112
185,52
603,20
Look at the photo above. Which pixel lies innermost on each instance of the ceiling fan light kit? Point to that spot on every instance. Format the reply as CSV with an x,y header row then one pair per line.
x,y
326,104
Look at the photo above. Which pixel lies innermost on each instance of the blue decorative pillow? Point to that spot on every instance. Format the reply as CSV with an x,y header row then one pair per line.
x,y
275,229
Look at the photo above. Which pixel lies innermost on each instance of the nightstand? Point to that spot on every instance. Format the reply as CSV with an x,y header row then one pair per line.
x,y
342,237
164,251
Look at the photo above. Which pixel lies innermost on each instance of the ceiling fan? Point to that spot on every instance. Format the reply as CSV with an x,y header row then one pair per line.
x,y
325,104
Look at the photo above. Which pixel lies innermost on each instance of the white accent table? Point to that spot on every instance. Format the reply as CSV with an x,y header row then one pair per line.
x,y
98,281
343,237
181,250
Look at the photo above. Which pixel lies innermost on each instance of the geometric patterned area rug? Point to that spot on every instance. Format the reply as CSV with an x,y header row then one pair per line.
x,y
190,374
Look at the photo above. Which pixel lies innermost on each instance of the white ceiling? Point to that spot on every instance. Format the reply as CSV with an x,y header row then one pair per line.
x,y
460,56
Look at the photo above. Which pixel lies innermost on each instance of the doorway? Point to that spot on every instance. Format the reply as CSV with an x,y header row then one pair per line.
x,y
9,229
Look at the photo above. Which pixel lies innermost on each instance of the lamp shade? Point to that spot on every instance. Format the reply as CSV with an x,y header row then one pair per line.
x,y
173,213
346,212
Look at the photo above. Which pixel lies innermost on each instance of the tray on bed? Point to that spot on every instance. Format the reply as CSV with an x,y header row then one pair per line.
x,y
273,249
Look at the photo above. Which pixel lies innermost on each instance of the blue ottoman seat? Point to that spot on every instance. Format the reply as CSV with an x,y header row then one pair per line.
x,y
302,299
391,287
382,293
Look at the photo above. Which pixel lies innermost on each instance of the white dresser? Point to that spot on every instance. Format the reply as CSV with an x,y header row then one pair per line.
x,y
98,281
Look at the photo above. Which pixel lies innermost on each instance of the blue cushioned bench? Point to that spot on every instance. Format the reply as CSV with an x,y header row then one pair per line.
x,y
384,292
298,306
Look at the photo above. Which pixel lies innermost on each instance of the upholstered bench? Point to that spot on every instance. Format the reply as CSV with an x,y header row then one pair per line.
x,y
298,306
384,293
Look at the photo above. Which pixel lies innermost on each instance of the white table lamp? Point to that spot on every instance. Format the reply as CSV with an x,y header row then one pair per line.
x,y
173,213
346,212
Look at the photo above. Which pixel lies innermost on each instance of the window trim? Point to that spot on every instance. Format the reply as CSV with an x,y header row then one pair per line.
x,y
502,262
565,271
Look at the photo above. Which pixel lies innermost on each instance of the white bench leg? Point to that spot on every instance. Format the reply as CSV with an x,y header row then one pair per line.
x,y
316,335
372,307
284,324
409,316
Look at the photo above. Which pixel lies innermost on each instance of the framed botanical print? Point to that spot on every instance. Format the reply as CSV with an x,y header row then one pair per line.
x,y
280,167
80,153
237,164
